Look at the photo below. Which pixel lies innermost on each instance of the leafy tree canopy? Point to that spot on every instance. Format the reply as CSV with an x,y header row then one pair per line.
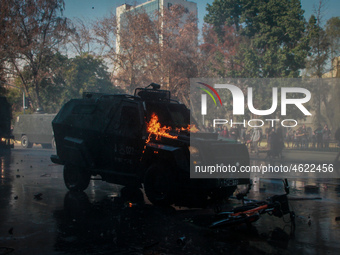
x,y
333,33
274,32
31,32
86,73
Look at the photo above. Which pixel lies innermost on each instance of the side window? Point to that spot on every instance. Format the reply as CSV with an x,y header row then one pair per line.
x,y
127,121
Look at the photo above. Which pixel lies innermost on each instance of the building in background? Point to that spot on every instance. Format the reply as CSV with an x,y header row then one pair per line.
x,y
151,7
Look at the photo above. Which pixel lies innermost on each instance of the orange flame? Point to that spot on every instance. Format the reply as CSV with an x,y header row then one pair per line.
x,y
154,127
191,129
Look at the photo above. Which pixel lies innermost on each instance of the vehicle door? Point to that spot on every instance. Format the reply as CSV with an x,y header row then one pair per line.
x,y
125,136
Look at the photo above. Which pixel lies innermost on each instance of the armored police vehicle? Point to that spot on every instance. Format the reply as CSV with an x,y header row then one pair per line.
x,y
138,140
34,129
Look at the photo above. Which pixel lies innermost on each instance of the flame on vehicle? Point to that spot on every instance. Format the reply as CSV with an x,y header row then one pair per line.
x,y
154,127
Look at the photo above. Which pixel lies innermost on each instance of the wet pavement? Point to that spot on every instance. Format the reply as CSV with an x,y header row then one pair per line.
x,y
39,216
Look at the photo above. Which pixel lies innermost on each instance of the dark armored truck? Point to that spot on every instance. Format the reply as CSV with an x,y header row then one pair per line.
x,y
5,124
138,140
34,129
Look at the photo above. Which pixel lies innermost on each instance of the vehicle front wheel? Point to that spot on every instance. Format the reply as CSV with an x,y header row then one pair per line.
x,y
25,143
159,185
75,178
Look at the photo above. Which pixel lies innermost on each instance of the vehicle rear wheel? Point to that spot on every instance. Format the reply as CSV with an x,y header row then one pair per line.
x,y
159,185
25,143
75,178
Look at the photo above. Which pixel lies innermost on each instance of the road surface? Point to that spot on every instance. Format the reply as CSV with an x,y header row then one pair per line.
x,y
39,216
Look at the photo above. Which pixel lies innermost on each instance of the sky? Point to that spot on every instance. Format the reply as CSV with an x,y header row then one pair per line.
x,y
93,9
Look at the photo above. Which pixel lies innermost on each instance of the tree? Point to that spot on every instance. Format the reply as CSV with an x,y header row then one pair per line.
x,y
316,63
178,57
32,31
135,36
53,83
333,34
225,54
66,78
86,73
319,48
257,39
222,13
161,49
80,39
274,44
52,68
331,103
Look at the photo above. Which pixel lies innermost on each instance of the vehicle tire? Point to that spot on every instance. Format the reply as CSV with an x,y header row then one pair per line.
x,y
75,178
25,143
159,185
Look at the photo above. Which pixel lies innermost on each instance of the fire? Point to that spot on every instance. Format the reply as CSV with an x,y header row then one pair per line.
x,y
154,127
192,129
